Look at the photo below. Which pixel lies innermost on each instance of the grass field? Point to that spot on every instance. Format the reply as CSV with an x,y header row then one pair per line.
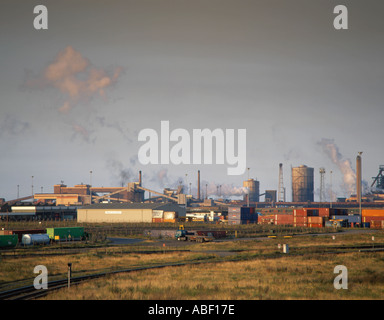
x,y
253,268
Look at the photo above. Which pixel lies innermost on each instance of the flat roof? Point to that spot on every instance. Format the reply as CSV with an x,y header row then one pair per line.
x,y
135,205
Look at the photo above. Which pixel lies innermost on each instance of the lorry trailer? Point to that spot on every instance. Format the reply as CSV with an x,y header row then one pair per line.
x,y
199,236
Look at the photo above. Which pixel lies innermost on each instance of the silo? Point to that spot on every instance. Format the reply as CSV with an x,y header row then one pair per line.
x,y
302,184
253,189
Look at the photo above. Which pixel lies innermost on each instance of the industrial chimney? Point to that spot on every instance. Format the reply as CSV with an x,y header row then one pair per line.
x,y
358,177
198,184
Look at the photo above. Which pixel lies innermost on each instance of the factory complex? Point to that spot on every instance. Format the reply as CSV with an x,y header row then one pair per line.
x,y
135,203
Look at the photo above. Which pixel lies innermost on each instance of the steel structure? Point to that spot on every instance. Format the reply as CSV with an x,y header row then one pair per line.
x,y
302,184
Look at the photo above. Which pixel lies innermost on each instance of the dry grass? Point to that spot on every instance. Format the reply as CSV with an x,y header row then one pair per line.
x,y
262,271
284,278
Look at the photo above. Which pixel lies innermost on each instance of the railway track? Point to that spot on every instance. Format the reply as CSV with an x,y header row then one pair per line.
x,y
29,292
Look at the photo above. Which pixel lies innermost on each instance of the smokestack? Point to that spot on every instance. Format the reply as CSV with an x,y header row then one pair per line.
x,y
198,184
358,178
140,178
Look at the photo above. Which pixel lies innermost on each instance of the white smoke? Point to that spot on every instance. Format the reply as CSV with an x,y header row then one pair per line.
x,y
344,165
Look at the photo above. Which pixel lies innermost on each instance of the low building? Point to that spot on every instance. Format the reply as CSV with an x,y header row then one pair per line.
x,y
131,212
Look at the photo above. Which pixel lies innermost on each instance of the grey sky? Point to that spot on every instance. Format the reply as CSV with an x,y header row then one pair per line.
x,y
277,68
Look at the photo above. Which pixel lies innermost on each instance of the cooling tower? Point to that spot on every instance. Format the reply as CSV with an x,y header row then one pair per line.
x,y
302,184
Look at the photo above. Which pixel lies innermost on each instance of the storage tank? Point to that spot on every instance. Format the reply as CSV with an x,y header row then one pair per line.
x,y
31,239
253,189
302,184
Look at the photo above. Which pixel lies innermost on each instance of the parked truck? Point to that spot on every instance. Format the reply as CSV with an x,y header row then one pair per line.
x,y
199,236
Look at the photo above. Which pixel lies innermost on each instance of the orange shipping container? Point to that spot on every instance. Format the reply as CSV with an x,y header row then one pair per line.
x,y
318,220
299,213
323,212
300,219
315,225
372,213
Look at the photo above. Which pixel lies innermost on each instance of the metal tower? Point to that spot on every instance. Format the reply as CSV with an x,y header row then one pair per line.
x,y
322,185
281,190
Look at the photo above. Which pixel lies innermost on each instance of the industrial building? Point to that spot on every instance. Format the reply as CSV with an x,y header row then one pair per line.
x,y
131,212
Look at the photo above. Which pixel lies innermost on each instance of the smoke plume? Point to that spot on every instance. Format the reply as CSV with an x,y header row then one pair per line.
x,y
13,126
75,78
344,165
120,173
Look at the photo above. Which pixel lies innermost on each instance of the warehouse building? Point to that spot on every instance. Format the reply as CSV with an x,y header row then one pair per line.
x,y
131,212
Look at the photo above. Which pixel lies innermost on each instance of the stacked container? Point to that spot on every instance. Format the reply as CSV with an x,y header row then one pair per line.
x,y
241,215
283,219
300,218
373,218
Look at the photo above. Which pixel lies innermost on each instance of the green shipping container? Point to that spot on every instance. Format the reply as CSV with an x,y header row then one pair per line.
x,y
66,234
9,241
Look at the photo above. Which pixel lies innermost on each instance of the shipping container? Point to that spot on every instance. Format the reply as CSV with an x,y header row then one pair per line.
x,y
372,218
311,212
66,234
234,210
283,219
323,212
315,225
212,233
157,220
8,241
372,212
315,220
299,213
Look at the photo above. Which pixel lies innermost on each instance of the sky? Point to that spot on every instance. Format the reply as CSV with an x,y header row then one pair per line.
x,y
75,96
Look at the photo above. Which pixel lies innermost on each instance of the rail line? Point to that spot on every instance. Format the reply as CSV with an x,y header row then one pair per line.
x,y
29,292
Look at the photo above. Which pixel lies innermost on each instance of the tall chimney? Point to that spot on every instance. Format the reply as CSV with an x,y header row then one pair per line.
x,y
198,184
358,178
140,178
